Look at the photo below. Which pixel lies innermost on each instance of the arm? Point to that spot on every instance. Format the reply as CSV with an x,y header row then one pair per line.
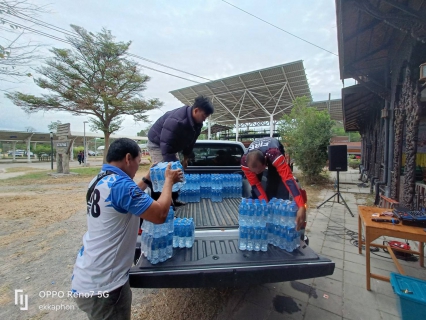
x,y
168,139
299,195
255,183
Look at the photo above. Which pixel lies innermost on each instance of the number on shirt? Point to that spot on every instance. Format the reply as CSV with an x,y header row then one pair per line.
x,y
95,209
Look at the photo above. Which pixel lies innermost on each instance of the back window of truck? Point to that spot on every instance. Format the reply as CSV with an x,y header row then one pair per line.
x,y
216,155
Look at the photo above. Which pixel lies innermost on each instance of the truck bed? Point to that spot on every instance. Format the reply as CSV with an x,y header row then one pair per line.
x,y
212,215
215,260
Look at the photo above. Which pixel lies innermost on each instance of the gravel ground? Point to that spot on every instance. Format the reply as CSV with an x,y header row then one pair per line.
x,y
42,228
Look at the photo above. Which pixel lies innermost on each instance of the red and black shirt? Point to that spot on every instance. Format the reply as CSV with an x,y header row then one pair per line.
x,y
274,153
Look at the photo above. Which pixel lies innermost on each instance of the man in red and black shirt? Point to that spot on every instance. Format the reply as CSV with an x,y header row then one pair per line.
x,y
269,153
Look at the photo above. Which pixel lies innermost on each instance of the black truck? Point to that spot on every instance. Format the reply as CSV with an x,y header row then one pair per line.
x,y
215,260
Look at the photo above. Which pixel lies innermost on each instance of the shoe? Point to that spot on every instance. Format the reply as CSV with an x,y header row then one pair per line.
x,y
178,203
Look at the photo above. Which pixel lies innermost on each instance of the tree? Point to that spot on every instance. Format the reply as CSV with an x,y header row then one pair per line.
x,y
93,78
144,132
53,126
16,54
30,129
306,133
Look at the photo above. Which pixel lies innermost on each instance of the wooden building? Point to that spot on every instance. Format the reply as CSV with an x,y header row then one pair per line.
x,y
382,44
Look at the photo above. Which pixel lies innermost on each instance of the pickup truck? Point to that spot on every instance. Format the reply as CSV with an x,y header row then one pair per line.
x,y
215,260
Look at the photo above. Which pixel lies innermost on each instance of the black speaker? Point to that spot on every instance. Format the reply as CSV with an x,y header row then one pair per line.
x,y
338,158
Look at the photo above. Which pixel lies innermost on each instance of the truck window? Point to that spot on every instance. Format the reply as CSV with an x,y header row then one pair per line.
x,y
216,155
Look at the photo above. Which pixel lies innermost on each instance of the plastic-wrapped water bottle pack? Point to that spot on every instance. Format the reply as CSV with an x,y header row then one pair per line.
x,y
158,173
157,239
184,233
264,223
211,186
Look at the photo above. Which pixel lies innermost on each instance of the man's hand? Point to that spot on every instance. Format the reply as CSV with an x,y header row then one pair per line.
x,y
300,218
185,162
173,175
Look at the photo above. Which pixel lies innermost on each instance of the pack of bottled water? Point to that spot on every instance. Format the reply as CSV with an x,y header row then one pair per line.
x,y
191,191
184,233
211,186
157,239
158,174
262,223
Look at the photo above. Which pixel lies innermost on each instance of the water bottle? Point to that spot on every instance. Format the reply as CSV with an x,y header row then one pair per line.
x,y
149,248
242,213
242,243
182,232
169,248
155,249
162,256
250,213
264,240
176,232
290,238
257,213
292,220
250,238
257,238
265,211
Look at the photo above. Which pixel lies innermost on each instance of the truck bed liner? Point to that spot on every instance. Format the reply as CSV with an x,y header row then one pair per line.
x,y
208,214
215,260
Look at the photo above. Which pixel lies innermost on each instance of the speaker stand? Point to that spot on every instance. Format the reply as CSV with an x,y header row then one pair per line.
x,y
339,195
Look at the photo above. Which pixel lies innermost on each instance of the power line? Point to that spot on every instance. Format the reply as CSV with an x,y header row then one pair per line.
x,y
163,65
72,34
68,42
275,26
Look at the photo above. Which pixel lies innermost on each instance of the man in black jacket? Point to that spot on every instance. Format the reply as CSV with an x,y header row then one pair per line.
x,y
176,131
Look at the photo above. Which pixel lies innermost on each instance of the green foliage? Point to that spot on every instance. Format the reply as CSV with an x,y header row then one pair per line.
x,y
354,163
94,78
339,131
53,126
306,133
43,148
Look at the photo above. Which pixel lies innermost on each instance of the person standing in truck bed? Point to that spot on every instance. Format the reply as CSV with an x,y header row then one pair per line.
x,y
176,131
269,153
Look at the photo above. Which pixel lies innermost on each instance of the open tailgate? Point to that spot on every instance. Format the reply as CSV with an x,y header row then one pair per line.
x,y
215,261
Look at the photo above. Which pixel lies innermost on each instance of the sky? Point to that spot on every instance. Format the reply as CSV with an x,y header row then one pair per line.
x,y
208,38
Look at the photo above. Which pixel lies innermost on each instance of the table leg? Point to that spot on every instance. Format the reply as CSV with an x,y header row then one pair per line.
x,y
359,234
422,254
367,258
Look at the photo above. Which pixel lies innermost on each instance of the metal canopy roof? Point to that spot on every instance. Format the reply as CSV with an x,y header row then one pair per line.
x,y
256,96
334,108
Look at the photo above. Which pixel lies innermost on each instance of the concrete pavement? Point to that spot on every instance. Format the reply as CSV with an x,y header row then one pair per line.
x,y
342,295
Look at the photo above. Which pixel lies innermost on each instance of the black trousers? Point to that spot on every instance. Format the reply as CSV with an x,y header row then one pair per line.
x,y
274,185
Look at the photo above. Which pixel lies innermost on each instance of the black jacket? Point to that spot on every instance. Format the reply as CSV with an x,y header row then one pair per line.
x,y
175,132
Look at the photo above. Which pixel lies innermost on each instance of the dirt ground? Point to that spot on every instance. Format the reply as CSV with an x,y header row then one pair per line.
x,y
42,224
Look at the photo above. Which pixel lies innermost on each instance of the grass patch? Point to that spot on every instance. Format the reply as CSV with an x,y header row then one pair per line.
x,y
86,171
29,176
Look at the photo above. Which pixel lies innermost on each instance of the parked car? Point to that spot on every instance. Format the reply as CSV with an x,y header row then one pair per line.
x,y
93,153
